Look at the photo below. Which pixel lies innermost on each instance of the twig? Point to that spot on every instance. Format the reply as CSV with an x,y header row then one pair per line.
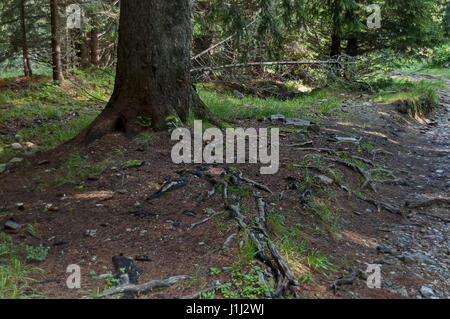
x,y
204,221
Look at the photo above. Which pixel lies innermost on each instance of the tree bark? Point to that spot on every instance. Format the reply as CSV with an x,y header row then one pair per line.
x,y
25,52
56,42
153,69
336,28
82,49
94,41
352,46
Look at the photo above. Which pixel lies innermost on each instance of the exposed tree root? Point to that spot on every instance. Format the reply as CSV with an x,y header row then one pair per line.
x,y
144,288
285,280
204,221
199,294
379,205
428,203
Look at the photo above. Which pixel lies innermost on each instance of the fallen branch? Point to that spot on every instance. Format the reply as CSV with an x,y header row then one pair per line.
x,y
253,64
147,287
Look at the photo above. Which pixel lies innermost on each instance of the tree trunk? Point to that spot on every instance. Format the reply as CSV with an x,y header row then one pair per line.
x,y
352,46
25,53
94,40
56,42
336,28
82,49
153,69
335,45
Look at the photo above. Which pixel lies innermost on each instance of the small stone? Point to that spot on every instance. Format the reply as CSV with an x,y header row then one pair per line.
x,y
91,233
122,191
297,122
30,146
16,146
238,94
325,180
12,225
20,206
427,292
277,117
16,160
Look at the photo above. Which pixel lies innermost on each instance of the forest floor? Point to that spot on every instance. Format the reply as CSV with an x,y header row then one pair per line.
x,y
84,207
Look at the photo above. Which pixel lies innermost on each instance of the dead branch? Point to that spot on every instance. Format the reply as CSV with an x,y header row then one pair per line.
x,y
253,64
147,287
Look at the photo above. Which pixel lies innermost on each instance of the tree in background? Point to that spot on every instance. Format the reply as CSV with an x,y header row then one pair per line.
x,y
25,52
56,42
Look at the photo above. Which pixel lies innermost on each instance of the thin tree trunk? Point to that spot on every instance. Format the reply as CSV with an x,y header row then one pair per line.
x,y
25,53
56,42
335,35
153,69
82,49
85,53
94,41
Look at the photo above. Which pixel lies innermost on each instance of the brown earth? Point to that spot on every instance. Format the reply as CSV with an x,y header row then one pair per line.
x,y
66,215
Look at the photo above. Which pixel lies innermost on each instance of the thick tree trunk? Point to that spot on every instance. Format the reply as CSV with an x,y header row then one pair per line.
x,y
25,53
153,69
352,46
56,42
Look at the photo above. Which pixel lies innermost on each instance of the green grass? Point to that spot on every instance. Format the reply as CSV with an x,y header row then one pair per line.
x,y
230,108
15,274
415,98
78,168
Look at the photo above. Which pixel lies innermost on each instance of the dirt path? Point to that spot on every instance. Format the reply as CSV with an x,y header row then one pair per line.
x,y
423,246
415,254
313,222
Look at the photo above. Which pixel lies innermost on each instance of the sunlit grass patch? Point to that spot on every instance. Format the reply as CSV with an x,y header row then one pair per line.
x,y
229,107
15,275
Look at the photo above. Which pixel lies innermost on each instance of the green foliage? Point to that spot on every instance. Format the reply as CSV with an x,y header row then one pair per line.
x,y
38,253
244,284
77,169
14,273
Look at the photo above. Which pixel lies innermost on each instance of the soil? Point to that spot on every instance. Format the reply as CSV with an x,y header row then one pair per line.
x,y
89,226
